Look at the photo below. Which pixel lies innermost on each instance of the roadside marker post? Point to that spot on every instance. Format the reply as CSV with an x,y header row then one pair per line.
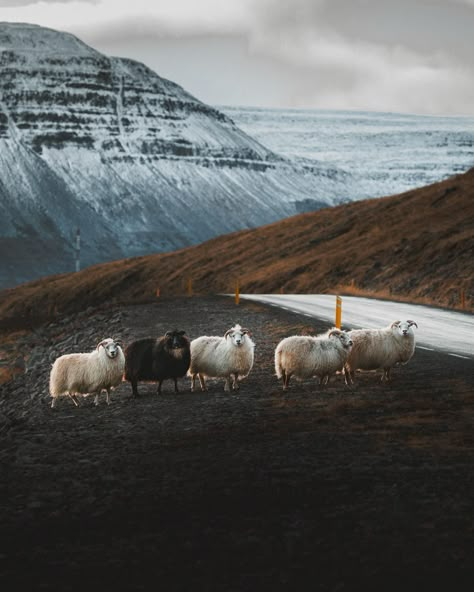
x,y
463,298
190,287
338,312
157,292
237,293
77,250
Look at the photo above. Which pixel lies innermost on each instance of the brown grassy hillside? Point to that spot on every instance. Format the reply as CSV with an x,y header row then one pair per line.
x,y
418,246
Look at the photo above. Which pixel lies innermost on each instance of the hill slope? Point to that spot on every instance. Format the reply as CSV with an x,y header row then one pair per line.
x,y
416,245
139,164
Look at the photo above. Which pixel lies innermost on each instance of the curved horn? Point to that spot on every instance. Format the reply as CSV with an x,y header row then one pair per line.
x,y
247,331
334,332
410,323
118,342
394,324
227,333
102,343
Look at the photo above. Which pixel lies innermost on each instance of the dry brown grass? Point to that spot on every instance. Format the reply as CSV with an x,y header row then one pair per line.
x,y
417,246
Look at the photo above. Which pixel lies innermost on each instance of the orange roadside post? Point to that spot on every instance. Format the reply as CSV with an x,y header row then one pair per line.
x,y
338,312
237,293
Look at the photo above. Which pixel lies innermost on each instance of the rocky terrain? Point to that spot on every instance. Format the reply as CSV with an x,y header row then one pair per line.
x,y
138,164
333,489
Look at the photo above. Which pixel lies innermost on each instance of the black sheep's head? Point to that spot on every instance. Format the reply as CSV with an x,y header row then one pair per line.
x,y
176,339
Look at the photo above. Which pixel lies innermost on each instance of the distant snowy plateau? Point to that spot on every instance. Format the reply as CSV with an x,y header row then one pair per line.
x,y
133,160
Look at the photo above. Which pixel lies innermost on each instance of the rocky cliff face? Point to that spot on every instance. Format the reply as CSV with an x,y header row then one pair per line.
x,y
132,159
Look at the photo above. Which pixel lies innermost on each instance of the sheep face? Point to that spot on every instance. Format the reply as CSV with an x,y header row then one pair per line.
x,y
237,336
111,347
343,337
175,339
403,328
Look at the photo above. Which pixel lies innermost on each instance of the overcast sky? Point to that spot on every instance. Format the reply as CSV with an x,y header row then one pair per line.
x,y
383,55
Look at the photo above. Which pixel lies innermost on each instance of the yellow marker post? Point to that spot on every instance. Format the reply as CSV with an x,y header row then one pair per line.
x,y
237,293
190,287
338,311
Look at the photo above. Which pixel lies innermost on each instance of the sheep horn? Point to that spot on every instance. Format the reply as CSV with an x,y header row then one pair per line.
x,y
334,332
118,342
394,324
228,333
102,343
244,331
410,323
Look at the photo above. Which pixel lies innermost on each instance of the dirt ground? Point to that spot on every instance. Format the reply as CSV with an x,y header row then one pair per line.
x,y
324,489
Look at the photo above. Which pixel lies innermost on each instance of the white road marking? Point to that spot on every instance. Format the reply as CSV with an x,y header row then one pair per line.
x,y
458,356
427,348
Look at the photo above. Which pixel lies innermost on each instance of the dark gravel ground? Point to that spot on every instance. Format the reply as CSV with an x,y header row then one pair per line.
x,y
322,489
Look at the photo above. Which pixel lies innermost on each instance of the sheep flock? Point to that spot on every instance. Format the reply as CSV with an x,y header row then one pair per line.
x,y
230,357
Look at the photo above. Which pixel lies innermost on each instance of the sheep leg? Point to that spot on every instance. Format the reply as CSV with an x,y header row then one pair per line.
x,y
286,381
53,402
176,390
202,382
227,384
107,400
159,386
235,384
193,382
72,397
323,380
348,376
134,387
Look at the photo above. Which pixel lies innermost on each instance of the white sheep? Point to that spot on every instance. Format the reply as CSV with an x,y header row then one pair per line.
x,y
87,373
380,348
230,357
307,356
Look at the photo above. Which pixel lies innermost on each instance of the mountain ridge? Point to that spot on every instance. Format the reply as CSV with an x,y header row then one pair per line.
x,y
132,159
414,246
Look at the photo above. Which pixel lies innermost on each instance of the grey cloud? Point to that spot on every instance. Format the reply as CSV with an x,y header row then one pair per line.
x,y
374,54
17,3
425,26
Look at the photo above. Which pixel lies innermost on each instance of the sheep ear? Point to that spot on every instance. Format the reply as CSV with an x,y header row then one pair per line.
x,y
410,323
394,324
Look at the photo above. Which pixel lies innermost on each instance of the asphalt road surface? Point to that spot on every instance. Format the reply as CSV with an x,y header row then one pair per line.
x,y
438,329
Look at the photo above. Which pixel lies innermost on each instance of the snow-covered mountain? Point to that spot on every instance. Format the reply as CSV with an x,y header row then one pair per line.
x,y
132,159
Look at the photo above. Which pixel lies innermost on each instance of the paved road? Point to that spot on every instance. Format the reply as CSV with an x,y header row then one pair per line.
x,y
438,329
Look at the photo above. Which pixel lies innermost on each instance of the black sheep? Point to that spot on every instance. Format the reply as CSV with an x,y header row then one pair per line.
x,y
158,359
